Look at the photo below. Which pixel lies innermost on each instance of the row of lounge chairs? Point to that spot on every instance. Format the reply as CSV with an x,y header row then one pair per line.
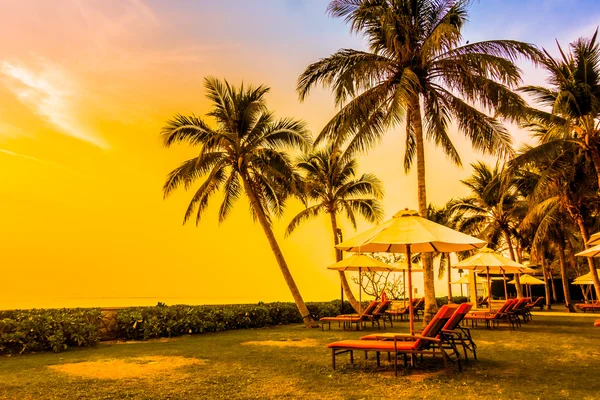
x,y
512,311
443,335
375,313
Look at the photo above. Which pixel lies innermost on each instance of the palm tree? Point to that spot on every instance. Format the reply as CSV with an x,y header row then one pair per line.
x,y
489,211
416,69
564,188
574,120
331,186
242,153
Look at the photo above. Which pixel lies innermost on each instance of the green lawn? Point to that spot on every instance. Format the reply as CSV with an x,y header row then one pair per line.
x,y
552,357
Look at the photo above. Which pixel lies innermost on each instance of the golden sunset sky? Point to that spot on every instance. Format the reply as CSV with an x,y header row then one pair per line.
x,y
85,86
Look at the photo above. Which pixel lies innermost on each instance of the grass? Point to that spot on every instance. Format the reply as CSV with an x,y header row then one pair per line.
x,y
550,358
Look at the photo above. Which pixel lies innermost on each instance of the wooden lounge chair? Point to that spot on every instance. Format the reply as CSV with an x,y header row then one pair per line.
x,y
493,318
347,320
431,339
520,310
381,314
539,302
452,329
585,307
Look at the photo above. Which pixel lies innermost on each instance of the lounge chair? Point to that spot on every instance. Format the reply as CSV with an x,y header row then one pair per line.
x,y
539,302
494,317
452,329
401,312
431,339
521,309
381,314
585,307
597,323
352,319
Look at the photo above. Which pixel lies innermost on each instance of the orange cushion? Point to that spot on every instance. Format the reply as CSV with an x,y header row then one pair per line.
x,y
597,323
375,345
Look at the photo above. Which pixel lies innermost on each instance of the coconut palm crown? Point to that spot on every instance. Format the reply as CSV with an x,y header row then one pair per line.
x,y
242,153
331,186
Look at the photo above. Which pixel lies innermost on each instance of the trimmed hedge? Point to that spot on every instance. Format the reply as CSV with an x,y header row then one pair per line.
x,y
43,330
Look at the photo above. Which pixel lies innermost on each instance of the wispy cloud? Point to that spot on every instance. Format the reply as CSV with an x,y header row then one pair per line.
x,y
52,95
37,160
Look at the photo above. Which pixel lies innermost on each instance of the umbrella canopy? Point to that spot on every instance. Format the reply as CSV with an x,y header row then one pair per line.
x,y
594,239
490,262
362,262
487,258
527,279
585,279
464,280
591,252
403,266
407,232
407,228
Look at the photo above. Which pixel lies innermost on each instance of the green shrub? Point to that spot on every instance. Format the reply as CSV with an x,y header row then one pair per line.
x,y
40,330
56,330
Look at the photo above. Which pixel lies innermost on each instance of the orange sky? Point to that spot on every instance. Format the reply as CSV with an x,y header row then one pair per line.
x,y
84,89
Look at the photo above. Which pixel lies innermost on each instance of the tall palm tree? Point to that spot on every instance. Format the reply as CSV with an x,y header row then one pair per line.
x,y
564,188
332,187
489,211
574,120
242,153
417,69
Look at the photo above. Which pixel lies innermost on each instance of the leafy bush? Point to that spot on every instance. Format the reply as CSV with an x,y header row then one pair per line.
x,y
56,330
39,330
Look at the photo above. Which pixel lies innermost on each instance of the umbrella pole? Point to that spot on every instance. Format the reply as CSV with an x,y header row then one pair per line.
x,y
489,288
411,311
359,290
404,286
505,289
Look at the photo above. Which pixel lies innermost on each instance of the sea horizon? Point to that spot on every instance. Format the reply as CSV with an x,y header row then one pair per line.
x,y
125,301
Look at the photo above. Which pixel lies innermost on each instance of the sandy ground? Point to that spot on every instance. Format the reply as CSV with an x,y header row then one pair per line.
x,y
127,368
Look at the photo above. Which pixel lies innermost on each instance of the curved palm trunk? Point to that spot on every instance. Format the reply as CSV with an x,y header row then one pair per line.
x,y
586,237
428,275
338,257
289,279
563,273
511,251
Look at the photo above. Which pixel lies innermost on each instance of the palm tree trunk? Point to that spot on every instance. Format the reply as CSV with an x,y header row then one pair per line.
x,y
511,251
428,275
563,273
586,237
338,257
546,283
554,295
289,279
